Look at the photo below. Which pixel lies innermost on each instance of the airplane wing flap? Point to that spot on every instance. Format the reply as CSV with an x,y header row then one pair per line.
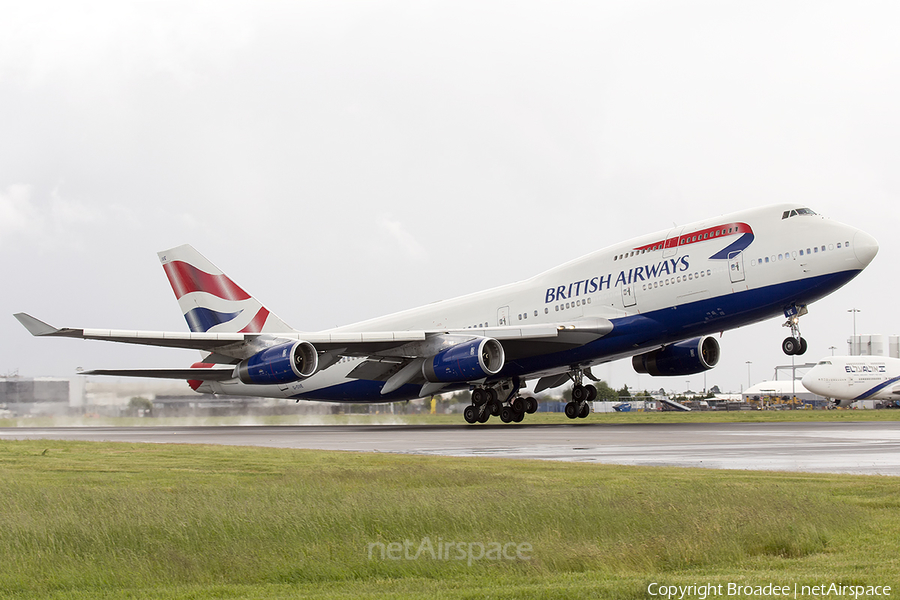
x,y
375,369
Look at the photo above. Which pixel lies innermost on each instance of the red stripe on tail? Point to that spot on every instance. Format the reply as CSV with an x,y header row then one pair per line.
x,y
186,278
256,325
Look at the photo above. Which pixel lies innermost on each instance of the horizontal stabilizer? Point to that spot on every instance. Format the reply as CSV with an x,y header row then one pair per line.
x,y
35,326
218,374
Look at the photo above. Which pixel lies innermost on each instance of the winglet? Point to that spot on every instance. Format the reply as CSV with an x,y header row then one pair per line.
x,y
35,326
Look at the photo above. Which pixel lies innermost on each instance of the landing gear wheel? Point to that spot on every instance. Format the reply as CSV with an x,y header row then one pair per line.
x,y
506,414
803,346
531,405
470,414
791,346
572,410
518,416
518,404
479,396
579,393
591,393
494,407
585,410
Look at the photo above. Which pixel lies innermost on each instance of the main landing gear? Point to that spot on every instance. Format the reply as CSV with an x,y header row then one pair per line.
x,y
486,403
795,344
582,396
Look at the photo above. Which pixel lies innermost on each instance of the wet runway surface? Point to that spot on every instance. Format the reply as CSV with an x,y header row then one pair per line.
x,y
861,448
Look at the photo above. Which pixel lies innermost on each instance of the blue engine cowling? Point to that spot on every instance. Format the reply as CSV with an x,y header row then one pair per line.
x,y
280,364
468,361
684,358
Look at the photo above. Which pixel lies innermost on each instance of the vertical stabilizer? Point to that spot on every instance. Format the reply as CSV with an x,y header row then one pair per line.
x,y
212,302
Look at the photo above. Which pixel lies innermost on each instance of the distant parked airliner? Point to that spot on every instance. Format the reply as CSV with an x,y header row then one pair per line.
x,y
657,299
851,378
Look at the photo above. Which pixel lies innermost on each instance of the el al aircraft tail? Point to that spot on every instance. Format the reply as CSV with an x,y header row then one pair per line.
x,y
210,301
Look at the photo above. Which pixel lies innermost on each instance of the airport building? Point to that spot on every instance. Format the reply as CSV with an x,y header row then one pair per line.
x,y
874,345
34,395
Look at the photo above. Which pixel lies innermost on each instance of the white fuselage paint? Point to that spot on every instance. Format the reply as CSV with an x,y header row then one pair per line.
x,y
655,274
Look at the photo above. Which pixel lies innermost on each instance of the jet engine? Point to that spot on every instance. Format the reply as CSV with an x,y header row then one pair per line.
x,y
841,402
284,363
684,358
475,359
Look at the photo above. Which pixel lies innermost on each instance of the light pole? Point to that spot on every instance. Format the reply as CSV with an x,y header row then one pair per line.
x,y
748,373
832,348
853,341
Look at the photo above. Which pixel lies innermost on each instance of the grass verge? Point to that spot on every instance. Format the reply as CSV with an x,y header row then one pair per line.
x,y
102,520
745,416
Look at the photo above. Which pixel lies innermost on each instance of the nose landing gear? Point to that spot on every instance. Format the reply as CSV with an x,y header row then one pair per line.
x,y
795,344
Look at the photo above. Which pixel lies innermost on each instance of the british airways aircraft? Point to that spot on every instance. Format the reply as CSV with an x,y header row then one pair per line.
x,y
657,299
851,378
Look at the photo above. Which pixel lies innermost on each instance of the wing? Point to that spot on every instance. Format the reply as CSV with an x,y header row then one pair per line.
x,y
362,343
392,356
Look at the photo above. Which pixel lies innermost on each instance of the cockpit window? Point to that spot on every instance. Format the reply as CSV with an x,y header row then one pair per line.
x,y
824,362
799,211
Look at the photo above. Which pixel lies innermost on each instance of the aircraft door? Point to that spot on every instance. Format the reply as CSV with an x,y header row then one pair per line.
x,y
628,298
503,316
670,248
736,266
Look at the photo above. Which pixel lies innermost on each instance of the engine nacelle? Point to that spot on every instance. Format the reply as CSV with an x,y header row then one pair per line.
x,y
842,402
684,358
280,364
475,359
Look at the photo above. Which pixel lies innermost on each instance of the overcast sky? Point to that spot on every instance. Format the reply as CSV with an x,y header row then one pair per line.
x,y
341,160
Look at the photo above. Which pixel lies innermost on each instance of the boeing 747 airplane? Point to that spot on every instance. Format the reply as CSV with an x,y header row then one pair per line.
x,y
851,378
657,299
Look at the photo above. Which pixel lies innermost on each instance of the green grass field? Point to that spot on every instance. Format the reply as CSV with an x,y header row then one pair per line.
x,y
102,520
746,416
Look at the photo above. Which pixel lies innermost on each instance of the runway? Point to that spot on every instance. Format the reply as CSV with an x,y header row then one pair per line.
x,y
860,448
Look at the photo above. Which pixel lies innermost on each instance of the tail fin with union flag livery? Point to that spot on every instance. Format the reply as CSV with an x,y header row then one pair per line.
x,y
210,301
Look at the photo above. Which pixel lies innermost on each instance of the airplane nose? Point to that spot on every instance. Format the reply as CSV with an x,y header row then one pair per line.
x,y
812,383
807,380
865,247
